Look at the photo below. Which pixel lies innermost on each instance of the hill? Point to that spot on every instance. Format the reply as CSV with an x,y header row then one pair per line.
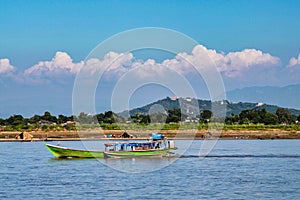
x,y
189,105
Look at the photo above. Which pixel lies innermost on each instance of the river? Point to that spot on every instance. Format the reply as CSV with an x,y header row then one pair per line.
x,y
234,169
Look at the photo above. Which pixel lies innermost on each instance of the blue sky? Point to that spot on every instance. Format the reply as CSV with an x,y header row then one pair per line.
x,y
33,32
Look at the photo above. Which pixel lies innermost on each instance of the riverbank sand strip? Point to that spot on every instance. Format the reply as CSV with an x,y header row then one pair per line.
x,y
136,134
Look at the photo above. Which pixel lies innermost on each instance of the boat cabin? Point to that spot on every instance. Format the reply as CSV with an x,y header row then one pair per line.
x,y
157,142
133,146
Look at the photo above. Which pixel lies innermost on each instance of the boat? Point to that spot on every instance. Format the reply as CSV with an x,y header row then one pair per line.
x,y
157,147
64,152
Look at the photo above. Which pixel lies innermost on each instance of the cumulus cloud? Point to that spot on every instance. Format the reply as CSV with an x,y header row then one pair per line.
x,y
231,64
149,68
5,66
294,61
113,65
235,63
61,63
115,60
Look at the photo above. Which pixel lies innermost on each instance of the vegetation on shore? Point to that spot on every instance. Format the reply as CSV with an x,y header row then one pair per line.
x,y
171,120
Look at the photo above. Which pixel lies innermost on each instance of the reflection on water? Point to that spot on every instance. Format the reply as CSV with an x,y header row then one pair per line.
x,y
69,159
138,165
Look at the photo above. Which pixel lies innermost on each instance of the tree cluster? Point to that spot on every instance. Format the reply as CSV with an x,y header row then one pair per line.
x,y
15,120
171,116
282,116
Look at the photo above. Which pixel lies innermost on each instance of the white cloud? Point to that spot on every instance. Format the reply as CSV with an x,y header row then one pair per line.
x,y
294,61
61,63
149,69
5,66
113,65
231,64
114,60
235,63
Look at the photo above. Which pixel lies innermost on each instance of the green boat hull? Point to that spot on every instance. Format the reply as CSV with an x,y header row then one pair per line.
x,y
134,154
63,152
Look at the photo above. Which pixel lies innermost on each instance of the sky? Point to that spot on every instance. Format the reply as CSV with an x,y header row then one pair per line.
x,y
44,44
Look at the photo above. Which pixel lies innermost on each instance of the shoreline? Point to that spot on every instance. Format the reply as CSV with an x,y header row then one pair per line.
x,y
125,139
100,134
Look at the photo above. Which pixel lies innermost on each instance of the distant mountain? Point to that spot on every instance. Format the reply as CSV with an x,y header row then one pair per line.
x,y
189,105
288,96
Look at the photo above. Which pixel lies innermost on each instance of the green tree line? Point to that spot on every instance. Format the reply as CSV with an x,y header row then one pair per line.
x,y
172,116
282,116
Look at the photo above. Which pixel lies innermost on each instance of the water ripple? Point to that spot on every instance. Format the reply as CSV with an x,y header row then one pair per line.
x,y
240,156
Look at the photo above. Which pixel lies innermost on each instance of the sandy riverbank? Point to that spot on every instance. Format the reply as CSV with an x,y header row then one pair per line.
x,y
178,134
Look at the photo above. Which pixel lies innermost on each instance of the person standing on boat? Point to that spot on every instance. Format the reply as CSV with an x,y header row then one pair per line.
x,y
157,146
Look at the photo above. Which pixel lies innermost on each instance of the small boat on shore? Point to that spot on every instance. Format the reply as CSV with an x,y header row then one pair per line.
x,y
158,146
64,152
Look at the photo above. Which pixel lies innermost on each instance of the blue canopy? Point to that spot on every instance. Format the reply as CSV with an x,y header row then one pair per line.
x,y
157,136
